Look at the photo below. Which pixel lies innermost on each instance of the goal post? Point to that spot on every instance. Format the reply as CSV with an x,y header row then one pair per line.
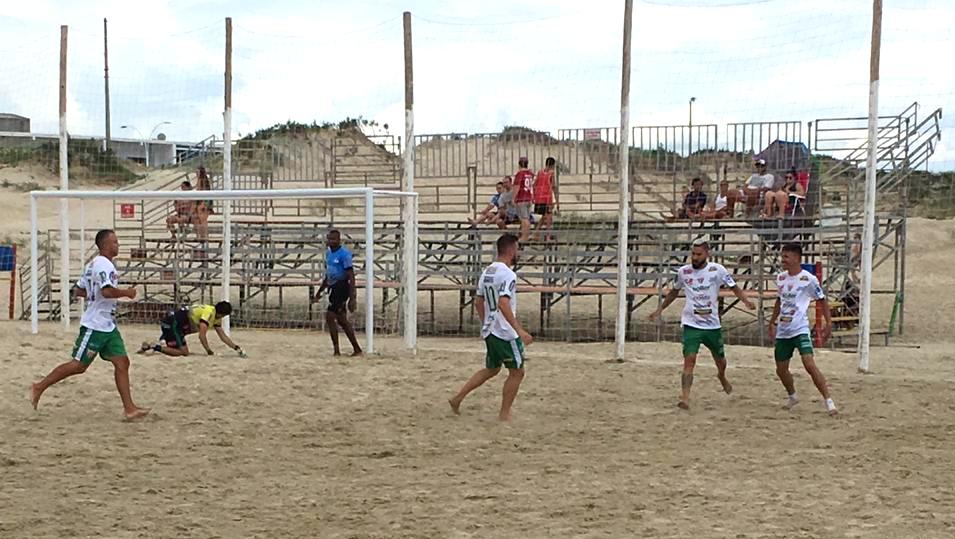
x,y
283,230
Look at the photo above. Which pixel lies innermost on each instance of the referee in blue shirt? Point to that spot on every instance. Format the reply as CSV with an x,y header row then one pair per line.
x,y
340,283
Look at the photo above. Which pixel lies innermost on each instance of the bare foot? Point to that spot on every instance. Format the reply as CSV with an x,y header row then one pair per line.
x,y
136,414
336,353
793,401
357,353
727,386
683,405
455,406
35,396
504,417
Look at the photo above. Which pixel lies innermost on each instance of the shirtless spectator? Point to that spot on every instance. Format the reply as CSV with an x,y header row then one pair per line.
x,y
758,184
493,208
185,212
203,207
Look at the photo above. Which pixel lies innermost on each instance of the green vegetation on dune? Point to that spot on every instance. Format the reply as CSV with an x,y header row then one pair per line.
x,y
87,160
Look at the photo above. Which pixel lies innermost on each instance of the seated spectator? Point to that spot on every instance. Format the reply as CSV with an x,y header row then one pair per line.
x,y
780,197
694,201
185,212
758,184
722,206
508,213
489,213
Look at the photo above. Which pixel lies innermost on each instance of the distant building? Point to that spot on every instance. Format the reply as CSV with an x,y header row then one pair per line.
x,y
14,123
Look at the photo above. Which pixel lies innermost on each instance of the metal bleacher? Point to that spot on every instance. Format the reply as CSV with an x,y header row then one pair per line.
x,y
278,246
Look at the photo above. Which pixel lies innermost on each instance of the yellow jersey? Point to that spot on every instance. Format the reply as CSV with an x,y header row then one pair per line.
x,y
203,313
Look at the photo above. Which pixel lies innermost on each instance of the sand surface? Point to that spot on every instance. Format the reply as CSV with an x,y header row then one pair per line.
x,y
294,443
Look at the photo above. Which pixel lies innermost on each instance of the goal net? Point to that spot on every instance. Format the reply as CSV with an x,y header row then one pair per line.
x,y
262,250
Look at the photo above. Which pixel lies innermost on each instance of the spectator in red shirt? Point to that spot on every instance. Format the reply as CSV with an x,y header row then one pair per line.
x,y
544,196
523,196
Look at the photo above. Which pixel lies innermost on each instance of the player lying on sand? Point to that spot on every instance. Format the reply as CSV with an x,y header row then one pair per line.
x,y
188,320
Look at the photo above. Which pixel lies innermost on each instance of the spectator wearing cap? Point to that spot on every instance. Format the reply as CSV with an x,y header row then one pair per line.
x,y
758,184
523,192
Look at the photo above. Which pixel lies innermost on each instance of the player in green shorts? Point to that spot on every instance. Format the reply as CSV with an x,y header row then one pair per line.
x,y
789,325
99,335
701,280
503,334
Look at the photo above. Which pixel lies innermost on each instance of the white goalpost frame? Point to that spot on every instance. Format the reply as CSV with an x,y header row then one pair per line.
x,y
409,277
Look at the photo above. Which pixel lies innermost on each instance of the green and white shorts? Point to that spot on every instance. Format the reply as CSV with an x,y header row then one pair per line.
x,y
90,343
712,339
510,354
786,347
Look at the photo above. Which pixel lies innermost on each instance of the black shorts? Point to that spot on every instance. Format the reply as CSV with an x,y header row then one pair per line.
x,y
543,209
338,295
175,327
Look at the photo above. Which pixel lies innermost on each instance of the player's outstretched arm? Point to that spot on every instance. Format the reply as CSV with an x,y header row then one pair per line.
x,y
110,292
224,337
772,320
738,292
827,315
353,292
204,337
504,306
669,299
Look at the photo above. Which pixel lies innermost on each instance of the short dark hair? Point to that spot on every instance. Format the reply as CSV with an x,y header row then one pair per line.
x,y
101,237
550,161
185,183
505,242
694,180
223,308
500,183
794,248
334,231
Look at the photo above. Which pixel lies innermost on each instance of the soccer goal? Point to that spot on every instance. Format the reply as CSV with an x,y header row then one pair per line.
x,y
262,250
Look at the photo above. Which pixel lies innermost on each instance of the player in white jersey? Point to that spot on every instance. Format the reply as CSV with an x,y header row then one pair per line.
x,y
701,281
505,338
789,325
98,332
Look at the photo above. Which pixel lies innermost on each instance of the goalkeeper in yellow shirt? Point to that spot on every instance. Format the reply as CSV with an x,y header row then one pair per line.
x,y
187,320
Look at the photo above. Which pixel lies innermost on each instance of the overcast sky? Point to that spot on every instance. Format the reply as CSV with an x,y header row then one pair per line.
x,y
479,65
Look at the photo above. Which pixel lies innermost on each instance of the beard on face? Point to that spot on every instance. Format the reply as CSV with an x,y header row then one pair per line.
x,y
699,265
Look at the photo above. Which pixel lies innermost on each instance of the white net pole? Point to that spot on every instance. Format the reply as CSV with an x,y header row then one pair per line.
x,y
624,222
81,252
227,173
868,231
369,271
34,268
409,204
64,185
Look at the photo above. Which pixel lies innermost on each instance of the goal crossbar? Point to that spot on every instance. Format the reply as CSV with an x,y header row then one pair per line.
x,y
369,194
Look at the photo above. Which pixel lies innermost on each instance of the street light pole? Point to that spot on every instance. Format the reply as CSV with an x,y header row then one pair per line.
x,y
141,138
692,99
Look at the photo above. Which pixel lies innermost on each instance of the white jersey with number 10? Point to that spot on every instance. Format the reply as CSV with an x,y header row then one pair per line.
x,y
100,314
497,281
